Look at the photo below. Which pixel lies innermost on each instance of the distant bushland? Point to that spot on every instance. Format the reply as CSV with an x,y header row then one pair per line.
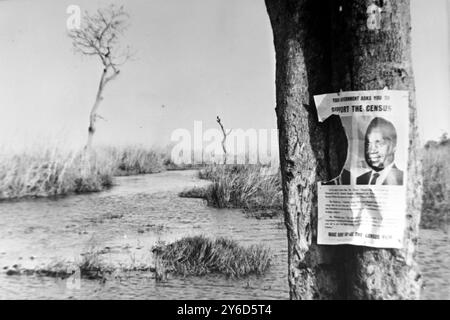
x,y
133,160
436,183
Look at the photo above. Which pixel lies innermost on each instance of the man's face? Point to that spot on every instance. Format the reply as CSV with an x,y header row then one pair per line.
x,y
379,150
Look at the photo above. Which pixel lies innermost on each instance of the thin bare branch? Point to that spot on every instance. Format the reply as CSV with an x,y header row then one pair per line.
x,y
112,77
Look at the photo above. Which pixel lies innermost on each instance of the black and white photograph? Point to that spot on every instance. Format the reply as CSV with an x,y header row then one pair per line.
x,y
380,147
212,150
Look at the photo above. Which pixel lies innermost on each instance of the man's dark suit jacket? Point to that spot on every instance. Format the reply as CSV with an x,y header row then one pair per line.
x,y
394,178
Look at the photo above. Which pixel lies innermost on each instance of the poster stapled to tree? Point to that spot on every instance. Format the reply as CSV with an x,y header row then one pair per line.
x,y
366,204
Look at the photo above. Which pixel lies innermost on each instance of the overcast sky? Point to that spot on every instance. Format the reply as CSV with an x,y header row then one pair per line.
x,y
197,58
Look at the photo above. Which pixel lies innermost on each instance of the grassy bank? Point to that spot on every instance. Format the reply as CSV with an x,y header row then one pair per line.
x,y
200,256
51,172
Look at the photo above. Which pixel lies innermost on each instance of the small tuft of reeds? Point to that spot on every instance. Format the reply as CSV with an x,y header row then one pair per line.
x,y
198,255
92,267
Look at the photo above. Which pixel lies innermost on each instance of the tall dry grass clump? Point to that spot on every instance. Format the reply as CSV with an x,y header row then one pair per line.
x,y
252,187
200,256
50,172
436,184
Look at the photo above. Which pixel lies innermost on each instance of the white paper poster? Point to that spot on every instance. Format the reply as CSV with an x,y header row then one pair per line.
x,y
366,204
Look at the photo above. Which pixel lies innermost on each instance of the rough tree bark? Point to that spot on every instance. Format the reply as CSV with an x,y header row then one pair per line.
x,y
325,46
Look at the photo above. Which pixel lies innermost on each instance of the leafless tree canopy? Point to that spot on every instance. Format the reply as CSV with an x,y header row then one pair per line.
x,y
99,36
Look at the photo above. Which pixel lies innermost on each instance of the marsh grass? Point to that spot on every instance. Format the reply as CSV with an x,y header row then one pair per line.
x,y
91,266
51,172
251,187
436,184
198,256
133,160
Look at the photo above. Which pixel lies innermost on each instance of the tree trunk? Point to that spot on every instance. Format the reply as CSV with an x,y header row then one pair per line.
x,y
93,114
325,46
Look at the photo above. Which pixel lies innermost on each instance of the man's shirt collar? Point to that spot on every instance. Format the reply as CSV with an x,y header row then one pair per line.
x,y
383,174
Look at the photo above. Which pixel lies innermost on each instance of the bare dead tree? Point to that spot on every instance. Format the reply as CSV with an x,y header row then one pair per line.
x,y
224,139
99,36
